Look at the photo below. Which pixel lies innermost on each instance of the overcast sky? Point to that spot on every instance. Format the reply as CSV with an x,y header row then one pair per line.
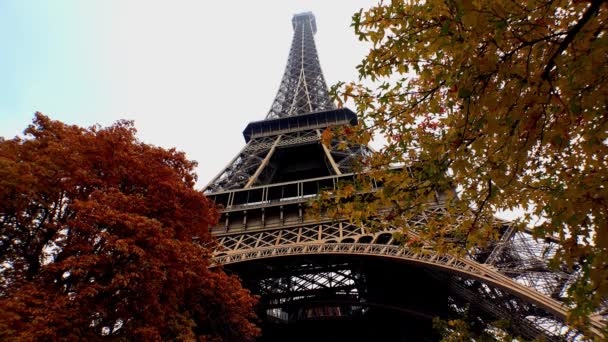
x,y
191,74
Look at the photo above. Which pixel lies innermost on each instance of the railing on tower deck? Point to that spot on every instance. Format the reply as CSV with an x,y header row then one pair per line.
x,y
281,193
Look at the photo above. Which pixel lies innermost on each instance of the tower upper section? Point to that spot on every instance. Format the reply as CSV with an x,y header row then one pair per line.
x,y
306,17
303,89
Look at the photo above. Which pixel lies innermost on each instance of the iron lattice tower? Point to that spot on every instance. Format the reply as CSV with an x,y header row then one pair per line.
x,y
323,279
303,89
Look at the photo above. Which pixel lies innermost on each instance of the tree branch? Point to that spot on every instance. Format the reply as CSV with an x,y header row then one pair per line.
x,y
591,11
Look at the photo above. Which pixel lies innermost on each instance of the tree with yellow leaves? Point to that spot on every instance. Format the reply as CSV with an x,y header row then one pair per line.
x,y
503,101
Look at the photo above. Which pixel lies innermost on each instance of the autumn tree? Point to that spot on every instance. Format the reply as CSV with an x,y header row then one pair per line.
x,y
506,103
104,237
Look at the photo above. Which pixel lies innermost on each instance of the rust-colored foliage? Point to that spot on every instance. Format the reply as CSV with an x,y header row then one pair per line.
x,y
96,242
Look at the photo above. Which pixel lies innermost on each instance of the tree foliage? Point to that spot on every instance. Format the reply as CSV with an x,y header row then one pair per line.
x,y
505,102
104,237
465,329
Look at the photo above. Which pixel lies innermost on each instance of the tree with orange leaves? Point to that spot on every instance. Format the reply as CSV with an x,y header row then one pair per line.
x,y
104,237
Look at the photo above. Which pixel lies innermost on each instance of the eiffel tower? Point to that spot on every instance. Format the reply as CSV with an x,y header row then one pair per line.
x,y
333,280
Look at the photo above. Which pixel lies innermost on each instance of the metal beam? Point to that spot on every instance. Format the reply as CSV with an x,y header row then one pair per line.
x,y
255,176
329,157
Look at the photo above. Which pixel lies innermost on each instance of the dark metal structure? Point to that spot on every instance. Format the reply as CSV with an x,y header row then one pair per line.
x,y
303,89
321,279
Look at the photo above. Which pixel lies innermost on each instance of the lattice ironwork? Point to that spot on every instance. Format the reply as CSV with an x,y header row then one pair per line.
x,y
506,296
346,156
243,167
249,164
303,88
488,304
512,282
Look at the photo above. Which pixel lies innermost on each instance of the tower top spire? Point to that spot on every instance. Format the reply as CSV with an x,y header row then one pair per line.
x,y
303,89
306,17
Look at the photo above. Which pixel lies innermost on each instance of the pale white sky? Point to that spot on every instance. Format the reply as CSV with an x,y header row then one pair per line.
x,y
191,74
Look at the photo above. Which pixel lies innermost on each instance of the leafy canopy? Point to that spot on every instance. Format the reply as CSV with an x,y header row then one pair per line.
x,y
505,102
96,241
